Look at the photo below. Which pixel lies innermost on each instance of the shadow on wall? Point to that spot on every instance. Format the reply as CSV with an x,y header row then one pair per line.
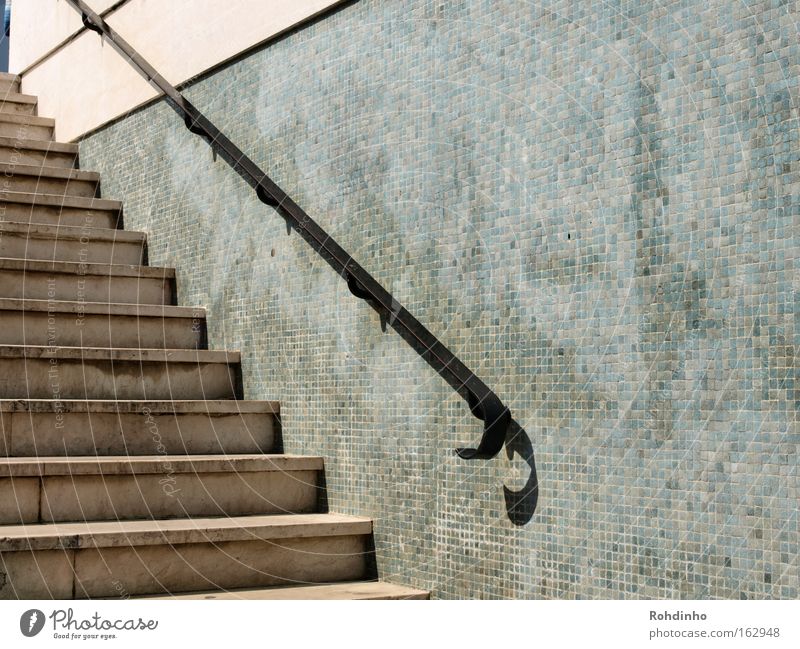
x,y
521,505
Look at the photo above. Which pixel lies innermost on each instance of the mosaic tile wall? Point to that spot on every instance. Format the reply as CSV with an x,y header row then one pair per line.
x,y
596,204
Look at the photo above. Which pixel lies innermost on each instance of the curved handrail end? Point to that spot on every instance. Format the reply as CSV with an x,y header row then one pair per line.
x,y
496,418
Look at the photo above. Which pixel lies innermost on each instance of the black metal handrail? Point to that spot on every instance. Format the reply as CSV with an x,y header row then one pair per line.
x,y
483,403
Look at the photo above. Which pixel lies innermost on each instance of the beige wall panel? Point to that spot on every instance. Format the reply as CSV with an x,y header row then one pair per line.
x,y
86,84
40,25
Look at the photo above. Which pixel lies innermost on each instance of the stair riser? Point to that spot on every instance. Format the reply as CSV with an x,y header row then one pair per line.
x,y
53,186
93,330
103,433
17,108
8,86
40,378
122,572
86,288
163,495
25,131
34,157
25,213
87,251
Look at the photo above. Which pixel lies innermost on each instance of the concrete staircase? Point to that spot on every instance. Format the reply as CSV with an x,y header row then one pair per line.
x,y
129,464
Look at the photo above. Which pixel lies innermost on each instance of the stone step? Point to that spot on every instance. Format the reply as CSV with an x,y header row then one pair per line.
x,y
14,102
125,558
36,152
26,127
361,590
101,324
53,489
8,83
69,281
49,180
69,243
75,428
43,372
24,207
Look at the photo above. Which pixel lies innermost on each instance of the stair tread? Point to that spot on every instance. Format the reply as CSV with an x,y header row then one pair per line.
x,y
102,308
31,120
338,591
51,200
10,169
38,145
80,268
148,464
71,232
104,534
121,354
18,98
122,406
